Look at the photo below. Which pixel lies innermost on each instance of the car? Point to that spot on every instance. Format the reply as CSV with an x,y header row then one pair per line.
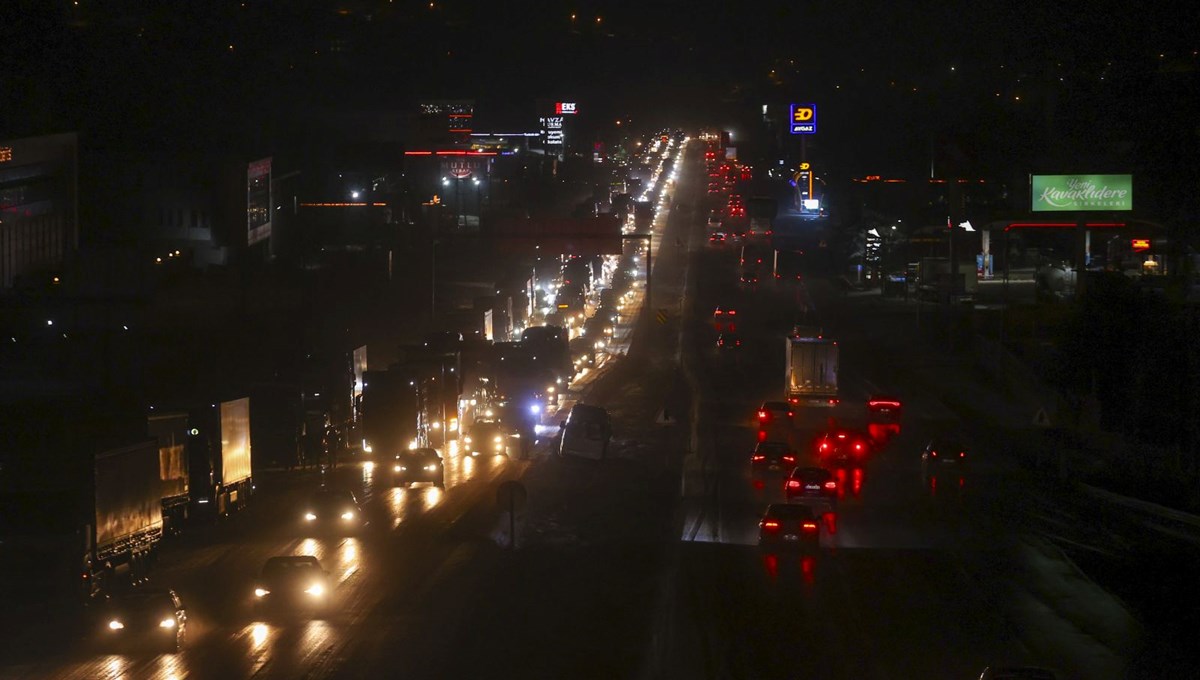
x,y
486,437
419,465
725,319
789,525
774,412
729,341
772,455
748,280
716,238
884,407
143,618
944,450
332,509
810,483
843,445
292,583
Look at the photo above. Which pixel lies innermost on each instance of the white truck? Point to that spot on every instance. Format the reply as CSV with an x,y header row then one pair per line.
x,y
812,370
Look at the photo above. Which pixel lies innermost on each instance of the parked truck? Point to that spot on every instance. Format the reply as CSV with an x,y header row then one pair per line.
x,y
811,378
219,458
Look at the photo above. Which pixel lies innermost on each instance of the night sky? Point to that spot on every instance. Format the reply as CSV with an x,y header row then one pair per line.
x,y
990,85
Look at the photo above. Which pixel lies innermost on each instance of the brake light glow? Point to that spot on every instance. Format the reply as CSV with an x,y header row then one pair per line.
x,y
883,403
841,435
770,524
962,454
793,484
762,415
757,457
809,526
789,459
831,485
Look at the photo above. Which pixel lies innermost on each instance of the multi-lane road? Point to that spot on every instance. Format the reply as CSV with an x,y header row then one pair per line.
x,y
646,564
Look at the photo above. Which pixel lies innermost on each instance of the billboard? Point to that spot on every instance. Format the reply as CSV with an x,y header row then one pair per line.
x,y
258,201
565,108
552,130
1078,193
802,119
235,441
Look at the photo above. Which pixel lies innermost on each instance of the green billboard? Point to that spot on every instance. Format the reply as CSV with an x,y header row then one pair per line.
x,y
1078,193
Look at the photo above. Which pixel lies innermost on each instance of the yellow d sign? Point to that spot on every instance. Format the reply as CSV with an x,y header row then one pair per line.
x,y
802,114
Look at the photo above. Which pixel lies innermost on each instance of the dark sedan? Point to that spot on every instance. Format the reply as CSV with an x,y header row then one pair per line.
x,y
785,525
419,465
144,618
293,583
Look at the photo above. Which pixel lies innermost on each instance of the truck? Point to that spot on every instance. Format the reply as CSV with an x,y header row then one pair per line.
x,y
170,431
389,411
219,458
811,377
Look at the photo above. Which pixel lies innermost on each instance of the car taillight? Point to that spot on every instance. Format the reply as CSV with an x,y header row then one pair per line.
x,y
793,484
962,454
809,526
933,454
858,446
791,414
789,459
757,457
770,524
831,485
824,446
762,415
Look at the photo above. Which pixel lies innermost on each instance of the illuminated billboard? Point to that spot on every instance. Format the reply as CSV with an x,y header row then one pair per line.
x,y
802,119
564,108
258,201
1079,193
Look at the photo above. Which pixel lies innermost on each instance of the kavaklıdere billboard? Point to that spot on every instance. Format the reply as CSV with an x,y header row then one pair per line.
x,y
258,201
1080,193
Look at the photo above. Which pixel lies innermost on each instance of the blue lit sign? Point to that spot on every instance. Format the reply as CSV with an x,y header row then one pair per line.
x,y
802,119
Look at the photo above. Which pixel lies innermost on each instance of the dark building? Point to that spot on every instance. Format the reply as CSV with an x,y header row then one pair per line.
x,y
39,217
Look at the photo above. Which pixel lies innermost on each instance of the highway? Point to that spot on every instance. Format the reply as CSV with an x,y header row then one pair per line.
x,y
645,565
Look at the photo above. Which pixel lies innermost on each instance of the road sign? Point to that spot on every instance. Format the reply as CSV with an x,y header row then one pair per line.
x,y
661,316
1041,419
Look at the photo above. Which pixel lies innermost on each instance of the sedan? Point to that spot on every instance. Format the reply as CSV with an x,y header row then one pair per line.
x,y
293,583
843,445
944,450
810,483
785,525
775,412
333,509
144,618
772,456
419,465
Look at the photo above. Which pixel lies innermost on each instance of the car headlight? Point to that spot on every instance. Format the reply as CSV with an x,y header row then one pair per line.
x,y
398,468
431,467
466,440
535,409
309,516
348,515
115,625
498,439
261,592
316,590
167,623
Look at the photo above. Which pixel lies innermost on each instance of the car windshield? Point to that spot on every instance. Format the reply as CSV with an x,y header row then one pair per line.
x,y
290,567
790,511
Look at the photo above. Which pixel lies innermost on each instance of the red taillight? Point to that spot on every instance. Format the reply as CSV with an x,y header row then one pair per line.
x,y
732,312
841,435
762,415
809,526
791,414
794,400
793,484
824,446
770,524
961,454
757,457
789,459
831,485
858,446
933,454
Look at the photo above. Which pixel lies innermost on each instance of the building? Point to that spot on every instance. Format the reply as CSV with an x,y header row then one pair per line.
x,y
39,212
